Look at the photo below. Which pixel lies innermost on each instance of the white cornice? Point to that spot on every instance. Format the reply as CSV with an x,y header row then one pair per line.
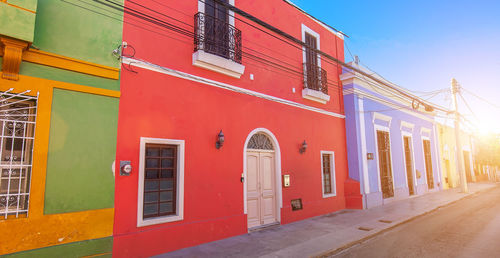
x,y
407,125
393,93
425,130
382,117
322,24
364,94
191,77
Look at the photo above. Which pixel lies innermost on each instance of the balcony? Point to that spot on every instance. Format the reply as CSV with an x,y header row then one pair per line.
x,y
315,83
217,46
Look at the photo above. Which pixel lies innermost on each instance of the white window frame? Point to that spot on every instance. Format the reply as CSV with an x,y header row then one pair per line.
x,y
313,33
332,175
309,93
179,215
216,63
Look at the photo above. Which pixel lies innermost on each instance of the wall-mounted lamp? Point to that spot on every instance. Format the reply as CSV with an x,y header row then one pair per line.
x,y
220,140
303,147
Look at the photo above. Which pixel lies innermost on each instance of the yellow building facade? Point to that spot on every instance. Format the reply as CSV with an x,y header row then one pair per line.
x,y
447,149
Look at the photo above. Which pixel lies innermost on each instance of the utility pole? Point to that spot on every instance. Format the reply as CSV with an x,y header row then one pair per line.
x,y
459,154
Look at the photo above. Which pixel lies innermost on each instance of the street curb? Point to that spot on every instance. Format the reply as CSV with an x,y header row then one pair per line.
x,y
374,234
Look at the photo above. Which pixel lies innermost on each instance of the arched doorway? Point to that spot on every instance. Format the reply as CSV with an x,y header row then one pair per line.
x,y
262,180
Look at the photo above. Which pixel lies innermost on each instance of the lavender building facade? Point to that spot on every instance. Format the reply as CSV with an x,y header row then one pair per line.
x,y
391,140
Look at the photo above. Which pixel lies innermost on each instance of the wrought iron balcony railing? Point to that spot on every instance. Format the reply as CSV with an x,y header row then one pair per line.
x,y
315,78
217,37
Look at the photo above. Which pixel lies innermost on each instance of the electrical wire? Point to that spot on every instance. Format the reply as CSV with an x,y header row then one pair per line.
x,y
481,98
158,22
331,84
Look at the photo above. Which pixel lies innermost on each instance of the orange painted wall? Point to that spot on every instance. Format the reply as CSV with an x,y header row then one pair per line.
x,y
38,230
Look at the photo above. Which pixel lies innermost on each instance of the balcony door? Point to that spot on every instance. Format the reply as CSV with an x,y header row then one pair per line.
x,y
311,65
216,28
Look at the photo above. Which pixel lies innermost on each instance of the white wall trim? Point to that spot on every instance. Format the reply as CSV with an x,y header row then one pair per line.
x,y
425,130
333,181
180,183
407,125
437,154
191,77
404,108
218,64
382,117
279,199
315,95
362,136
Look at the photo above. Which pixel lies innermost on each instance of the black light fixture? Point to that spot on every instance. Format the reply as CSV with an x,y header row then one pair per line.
x,y
303,148
220,140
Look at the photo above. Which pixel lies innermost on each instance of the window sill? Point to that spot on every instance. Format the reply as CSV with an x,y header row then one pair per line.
x,y
315,95
329,195
217,64
159,220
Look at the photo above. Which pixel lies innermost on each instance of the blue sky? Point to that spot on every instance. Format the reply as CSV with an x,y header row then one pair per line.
x,y
421,45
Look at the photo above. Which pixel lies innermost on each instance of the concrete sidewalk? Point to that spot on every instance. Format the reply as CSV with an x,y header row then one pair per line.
x,y
328,233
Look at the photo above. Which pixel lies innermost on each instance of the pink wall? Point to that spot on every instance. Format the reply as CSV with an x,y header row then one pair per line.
x,y
162,106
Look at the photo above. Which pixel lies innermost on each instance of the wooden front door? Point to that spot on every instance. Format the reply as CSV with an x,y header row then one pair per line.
x,y
261,192
384,162
428,164
409,164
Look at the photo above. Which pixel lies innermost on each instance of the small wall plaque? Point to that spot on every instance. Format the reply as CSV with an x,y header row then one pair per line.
x,y
286,180
419,175
369,156
296,204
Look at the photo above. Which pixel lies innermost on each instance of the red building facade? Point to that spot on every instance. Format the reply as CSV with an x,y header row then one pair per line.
x,y
228,125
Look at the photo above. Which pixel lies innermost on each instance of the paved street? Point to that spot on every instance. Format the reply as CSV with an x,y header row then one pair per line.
x,y
324,234
467,228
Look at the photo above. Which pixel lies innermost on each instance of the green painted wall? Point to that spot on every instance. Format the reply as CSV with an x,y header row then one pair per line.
x,y
65,29
56,74
79,249
16,23
82,145
26,4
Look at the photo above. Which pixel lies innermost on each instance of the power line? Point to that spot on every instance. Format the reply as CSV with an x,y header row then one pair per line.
x,y
172,27
332,84
481,98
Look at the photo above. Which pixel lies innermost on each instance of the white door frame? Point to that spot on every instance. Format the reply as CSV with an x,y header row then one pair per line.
x,y
376,128
277,158
412,156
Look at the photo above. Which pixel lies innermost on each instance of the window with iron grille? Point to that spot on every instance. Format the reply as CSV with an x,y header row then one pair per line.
x,y
17,122
214,34
161,183
328,173
315,77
